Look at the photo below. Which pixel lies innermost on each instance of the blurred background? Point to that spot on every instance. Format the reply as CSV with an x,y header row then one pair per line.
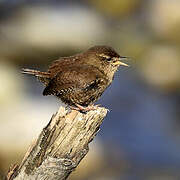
x,y
140,137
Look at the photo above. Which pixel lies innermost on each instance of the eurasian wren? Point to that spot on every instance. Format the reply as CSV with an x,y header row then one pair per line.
x,y
81,79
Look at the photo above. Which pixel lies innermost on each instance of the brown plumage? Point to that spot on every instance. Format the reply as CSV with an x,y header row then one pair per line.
x,y
80,80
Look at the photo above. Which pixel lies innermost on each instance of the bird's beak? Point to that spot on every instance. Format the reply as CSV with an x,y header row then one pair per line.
x,y
118,62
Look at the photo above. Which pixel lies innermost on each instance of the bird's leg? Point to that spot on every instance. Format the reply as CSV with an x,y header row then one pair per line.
x,y
83,108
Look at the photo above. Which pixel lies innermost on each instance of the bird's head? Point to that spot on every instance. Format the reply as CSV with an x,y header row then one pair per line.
x,y
106,59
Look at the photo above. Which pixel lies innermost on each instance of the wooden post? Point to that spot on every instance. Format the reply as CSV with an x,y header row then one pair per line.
x,y
60,147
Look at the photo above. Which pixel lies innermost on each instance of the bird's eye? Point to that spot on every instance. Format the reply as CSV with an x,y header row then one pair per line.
x,y
108,58
105,57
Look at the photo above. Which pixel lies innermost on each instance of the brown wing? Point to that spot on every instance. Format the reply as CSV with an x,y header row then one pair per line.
x,y
74,77
58,65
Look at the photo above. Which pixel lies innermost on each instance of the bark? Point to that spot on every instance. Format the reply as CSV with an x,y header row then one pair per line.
x,y
60,147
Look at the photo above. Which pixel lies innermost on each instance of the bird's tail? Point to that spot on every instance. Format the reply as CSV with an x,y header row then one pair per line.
x,y
36,73
44,77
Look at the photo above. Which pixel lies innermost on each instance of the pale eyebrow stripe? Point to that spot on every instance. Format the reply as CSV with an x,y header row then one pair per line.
x,y
103,55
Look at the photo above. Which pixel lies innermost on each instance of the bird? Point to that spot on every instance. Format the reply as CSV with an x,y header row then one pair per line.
x,y
81,79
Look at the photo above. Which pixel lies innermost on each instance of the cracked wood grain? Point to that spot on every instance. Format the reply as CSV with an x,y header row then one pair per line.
x,y
60,147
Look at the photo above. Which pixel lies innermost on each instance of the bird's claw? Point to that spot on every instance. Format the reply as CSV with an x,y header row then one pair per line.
x,y
78,107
